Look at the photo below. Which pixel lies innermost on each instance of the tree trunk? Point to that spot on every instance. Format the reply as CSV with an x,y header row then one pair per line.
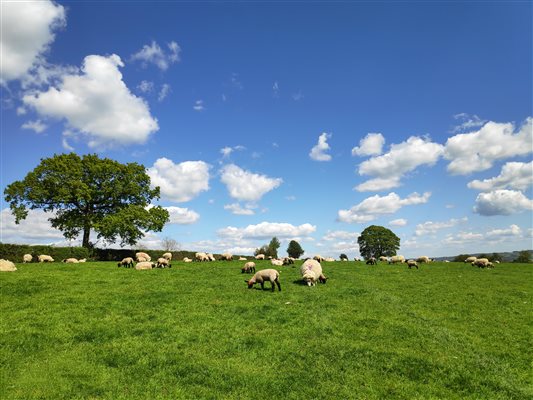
x,y
86,233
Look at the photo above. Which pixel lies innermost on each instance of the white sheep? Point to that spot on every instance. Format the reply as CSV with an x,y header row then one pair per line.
x,y
71,260
383,259
167,256
371,261
242,259
396,259
187,259
126,262
163,263
201,257
26,258
82,260
288,261
45,258
260,257
226,256
248,267
277,263
423,259
260,277
412,263
482,263
470,259
210,257
142,257
329,259
7,266
311,271
144,265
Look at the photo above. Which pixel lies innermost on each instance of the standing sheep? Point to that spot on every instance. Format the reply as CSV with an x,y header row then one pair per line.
x,y
45,258
397,259
163,263
201,257
260,257
248,267
412,263
311,271
141,257
167,256
226,256
210,257
26,258
470,259
383,259
126,262
423,259
260,277
371,261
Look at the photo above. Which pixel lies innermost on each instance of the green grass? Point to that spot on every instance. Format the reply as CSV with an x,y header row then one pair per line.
x,y
95,331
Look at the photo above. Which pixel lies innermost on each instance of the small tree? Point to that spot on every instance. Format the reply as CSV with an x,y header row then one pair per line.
x,y
294,250
170,244
273,247
523,257
378,241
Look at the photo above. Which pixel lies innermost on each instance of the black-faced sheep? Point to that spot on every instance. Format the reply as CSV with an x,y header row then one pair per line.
x,y
226,256
71,260
45,258
311,271
264,275
163,263
412,263
201,257
248,267
167,256
371,261
288,261
126,262
383,259
318,258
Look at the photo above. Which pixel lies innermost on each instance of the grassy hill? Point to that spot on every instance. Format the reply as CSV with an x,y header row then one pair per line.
x,y
95,331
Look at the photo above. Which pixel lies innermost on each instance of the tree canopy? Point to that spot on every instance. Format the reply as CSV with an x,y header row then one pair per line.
x,y
378,241
88,193
294,250
269,250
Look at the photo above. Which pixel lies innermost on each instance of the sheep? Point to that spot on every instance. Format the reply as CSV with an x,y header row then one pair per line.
x,y
187,259
7,266
82,260
412,263
396,259
70,260
243,259
263,275
142,257
201,257
26,258
260,257
144,265
163,263
226,256
248,267
210,257
496,262
371,261
482,263
126,262
277,263
383,259
344,257
311,271
45,258
167,256
423,259
329,259
470,259
288,261
318,258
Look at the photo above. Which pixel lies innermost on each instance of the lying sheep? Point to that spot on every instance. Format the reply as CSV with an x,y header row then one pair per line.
x,y
329,259
167,256
482,263
470,259
201,257
7,266
144,265
226,256
396,259
70,260
163,263
142,257
371,261
260,277
45,258
187,259
412,263
82,260
423,259
248,267
311,271
126,262
260,257
242,258
26,258
277,263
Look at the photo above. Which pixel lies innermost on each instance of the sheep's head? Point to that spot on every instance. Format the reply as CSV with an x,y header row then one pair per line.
x,y
250,283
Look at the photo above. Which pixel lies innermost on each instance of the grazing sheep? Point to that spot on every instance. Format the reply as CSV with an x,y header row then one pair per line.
x,y
277,263
260,257
7,266
126,262
423,259
167,256
288,261
82,260
397,259
26,258
45,258
470,259
412,263
242,259
356,259
318,258
226,256
383,259
210,257
482,263
371,261
260,277
142,257
71,260
311,271
144,265
248,267
163,263
201,257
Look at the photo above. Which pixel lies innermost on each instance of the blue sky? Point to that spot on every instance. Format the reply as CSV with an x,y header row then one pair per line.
x,y
306,121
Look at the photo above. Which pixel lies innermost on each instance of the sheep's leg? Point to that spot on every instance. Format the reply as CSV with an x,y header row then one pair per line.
x,y
262,286
277,282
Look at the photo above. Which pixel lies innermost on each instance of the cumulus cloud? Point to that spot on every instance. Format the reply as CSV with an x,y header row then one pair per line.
x,y
247,186
27,32
513,230
182,216
146,86
35,229
467,122
179,182
340,235
98,104
266,230
37,126
153,54
402,158
237,209
430,227
226,151
398,222
502,202
477,151
512,233
514,175
375,206
318,152
370,145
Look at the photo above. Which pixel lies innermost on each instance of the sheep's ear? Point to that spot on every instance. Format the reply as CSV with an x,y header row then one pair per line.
x,y
246,280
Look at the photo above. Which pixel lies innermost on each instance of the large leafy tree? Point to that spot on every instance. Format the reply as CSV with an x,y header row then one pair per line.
x,y
273,247
294,250
88,193
378,241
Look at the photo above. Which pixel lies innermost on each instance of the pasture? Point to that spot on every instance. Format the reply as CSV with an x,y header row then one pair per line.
x,y
95,331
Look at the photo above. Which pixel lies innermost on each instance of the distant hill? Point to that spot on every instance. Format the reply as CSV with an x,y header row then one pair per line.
x,y
506,256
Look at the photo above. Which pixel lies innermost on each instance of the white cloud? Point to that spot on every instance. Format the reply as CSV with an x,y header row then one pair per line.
x,y
513,230
402,158
398,222
375,206
153,54
164,92
340,235
37,126
27,32
510,234
21,111
66,145
502,202
467,122
477,151
318,152
370,145
247,186
226,151
179,182
237,209
98,104
290,198
198,105
275,89
266,230
514,175
35,229
146,86
182,216
430,227
297,96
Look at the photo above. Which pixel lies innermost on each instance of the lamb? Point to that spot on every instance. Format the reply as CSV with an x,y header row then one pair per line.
x,y
311,271
45,258
7,266
26,258
167,256
260,277
142,257
126,262
371,261
470,259
423,259
82,260
277,263
163,263
318,258
383,258
144,265
242,258
201,257
412,263
260,257
248,267
226,256
397,259
71,260
187,259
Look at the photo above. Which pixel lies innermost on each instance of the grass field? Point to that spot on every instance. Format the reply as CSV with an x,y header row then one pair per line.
x,y
95,331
